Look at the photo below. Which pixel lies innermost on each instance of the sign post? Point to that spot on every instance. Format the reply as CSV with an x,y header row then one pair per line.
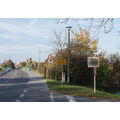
x,y
94,79
63,75
62,62
94,62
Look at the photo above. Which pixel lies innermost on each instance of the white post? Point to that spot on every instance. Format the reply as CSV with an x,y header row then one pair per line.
x,y
63,75
94,79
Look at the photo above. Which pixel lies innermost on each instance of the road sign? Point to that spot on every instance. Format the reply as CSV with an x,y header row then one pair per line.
x,y
50,61
50,56
62,61
93,61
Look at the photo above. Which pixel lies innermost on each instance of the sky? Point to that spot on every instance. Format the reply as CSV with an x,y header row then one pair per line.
x,y
22,38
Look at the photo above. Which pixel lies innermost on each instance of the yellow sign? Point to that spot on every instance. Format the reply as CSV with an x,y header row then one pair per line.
x,y
62,61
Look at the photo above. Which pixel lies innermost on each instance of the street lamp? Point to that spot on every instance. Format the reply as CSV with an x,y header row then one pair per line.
x,y
68,70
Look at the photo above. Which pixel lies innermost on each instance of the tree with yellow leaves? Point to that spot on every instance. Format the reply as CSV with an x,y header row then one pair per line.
x,y
82,43
82,46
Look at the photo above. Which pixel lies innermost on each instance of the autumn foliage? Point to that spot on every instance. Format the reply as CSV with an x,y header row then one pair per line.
x,y
82,46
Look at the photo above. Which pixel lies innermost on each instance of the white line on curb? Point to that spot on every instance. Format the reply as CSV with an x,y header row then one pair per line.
x,y
21,95
17,100
52,98
25,91
70,98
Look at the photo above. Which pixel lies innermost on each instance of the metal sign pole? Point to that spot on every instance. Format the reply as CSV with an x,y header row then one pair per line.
x,y
63,75
68,71
94,79
94,62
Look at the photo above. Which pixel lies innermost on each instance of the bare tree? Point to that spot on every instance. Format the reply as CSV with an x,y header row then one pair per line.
x,y
95,23
59,39
62,20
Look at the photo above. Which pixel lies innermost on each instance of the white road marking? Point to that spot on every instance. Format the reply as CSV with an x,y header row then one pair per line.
x,y
17,100
25,91
21,95
52,97
70,98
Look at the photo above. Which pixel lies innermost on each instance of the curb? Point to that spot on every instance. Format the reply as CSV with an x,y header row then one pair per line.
x,y
5,72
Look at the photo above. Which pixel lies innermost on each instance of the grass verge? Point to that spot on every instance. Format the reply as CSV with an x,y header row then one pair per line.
x,y
41,74
76,90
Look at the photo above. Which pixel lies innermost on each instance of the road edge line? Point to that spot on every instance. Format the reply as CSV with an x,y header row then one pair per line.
x,y
70,98
52,97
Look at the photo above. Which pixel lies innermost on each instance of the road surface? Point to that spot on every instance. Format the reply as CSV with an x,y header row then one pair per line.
x,y
21,86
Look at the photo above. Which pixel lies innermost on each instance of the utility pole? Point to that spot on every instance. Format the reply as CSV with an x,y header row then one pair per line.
x,y
39,57
68,70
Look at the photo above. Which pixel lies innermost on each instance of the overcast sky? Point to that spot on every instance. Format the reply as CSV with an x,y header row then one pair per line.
x,y
23,38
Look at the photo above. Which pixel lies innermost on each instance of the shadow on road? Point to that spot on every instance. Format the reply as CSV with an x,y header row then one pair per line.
x,y
11,88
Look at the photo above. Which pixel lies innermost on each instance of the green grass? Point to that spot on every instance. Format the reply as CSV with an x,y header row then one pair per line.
x,y
41,74
76,90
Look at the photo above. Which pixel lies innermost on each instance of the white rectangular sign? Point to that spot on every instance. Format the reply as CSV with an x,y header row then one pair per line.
x,y
93,61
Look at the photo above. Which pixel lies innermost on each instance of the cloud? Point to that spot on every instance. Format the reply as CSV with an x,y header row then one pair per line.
x,y
29,38
13,48
28,29
21,52
8,36
30,24
29,48
36,28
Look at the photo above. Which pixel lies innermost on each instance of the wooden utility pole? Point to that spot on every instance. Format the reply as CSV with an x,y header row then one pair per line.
x,y
39,57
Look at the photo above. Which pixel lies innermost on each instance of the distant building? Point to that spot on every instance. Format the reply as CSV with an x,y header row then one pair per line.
x,y
29,63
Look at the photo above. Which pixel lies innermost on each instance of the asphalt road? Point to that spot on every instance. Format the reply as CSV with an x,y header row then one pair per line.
x,y
22,86
12,84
